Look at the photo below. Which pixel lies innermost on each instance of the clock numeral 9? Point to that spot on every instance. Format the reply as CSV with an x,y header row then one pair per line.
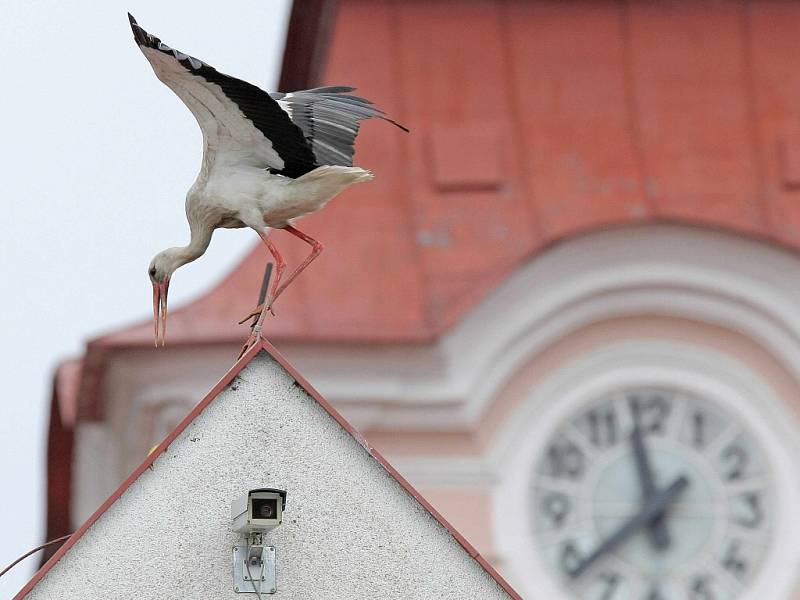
x,y
650,411
556,506
565,459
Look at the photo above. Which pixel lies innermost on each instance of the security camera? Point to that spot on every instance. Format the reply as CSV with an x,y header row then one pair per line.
x,y
258,510
254,514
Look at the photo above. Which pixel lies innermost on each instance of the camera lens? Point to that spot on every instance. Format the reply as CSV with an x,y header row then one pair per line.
x,y
265,508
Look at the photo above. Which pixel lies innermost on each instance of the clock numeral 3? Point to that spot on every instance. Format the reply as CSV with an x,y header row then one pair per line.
x,y
755,513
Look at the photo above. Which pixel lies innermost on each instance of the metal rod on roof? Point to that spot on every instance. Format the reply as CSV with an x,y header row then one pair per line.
x,y
262,294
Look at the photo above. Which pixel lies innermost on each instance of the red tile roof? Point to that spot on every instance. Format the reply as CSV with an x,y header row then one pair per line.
x,y
520,138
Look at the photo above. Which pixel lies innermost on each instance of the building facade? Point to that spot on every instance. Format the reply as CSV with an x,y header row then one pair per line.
x,y
567,309
201,515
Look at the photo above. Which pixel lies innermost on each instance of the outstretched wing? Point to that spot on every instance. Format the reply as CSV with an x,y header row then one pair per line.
x,y
329,118
235,117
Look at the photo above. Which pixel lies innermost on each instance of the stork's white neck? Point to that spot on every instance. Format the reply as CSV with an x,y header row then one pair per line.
x,y
180,255
200,239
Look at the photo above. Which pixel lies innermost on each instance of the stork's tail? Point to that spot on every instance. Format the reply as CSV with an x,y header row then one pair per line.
x,y
336,175
319,186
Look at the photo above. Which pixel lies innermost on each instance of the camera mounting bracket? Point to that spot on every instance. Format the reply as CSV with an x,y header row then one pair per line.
x,y
261,562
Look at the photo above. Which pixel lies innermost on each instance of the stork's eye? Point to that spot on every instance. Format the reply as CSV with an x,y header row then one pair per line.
x,y
152,271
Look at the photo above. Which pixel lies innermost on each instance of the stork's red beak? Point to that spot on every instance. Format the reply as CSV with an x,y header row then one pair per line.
x,y
160,290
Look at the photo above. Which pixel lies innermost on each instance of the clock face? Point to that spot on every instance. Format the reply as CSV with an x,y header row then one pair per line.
x,y
651,494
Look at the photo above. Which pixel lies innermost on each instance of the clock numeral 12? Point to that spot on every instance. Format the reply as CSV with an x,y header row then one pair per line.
x,y
650,411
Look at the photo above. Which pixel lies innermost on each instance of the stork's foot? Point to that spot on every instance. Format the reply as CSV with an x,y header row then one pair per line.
x,y
257,311
255,338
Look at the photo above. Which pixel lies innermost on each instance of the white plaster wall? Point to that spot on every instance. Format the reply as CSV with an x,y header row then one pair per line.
x,y
350,530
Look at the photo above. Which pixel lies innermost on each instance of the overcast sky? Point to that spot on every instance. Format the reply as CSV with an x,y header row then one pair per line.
x,y
97,155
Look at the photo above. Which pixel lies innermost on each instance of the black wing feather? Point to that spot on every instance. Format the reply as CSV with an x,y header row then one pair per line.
x,y
287,138
330,117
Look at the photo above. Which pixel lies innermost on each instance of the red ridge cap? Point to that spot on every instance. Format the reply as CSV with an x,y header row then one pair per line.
x,y
212,394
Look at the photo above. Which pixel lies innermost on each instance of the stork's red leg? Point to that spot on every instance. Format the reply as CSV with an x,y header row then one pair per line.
x,y
280,266
261,311
316,248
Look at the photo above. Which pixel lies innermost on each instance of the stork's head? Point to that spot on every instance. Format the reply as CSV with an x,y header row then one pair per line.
x,y
161,268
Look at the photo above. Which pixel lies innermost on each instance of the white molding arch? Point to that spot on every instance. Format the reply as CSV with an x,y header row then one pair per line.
x,y
697,370
705,275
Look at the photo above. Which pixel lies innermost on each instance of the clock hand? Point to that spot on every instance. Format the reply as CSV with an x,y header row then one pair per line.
x,y
656,528
652,507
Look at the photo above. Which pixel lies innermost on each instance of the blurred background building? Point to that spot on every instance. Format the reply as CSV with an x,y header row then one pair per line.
x,y
593,224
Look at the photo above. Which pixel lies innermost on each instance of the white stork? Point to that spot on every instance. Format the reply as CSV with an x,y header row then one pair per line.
x,y
268,158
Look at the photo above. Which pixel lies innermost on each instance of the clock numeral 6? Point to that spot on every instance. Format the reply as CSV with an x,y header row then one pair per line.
x,y
654,593
700,588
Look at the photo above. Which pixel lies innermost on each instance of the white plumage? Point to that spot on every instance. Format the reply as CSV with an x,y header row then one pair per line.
x,y
267,159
